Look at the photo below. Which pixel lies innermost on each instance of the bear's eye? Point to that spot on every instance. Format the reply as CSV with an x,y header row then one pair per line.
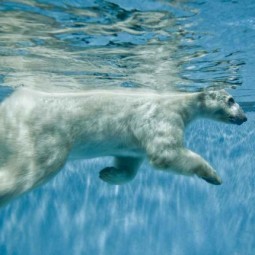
x,y
231,101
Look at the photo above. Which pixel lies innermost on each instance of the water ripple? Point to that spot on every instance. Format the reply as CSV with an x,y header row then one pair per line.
x,y
92,44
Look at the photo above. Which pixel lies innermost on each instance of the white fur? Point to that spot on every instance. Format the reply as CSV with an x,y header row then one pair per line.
x,y
39,131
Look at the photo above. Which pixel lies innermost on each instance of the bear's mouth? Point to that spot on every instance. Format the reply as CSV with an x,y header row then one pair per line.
x,y
238,120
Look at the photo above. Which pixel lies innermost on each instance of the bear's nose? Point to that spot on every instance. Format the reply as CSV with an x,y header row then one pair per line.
x,y
245,119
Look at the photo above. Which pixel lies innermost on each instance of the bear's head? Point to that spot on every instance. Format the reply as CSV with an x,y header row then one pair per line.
x,y
221,106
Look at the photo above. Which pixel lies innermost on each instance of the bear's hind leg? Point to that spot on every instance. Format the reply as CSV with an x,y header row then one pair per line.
x,y
124,170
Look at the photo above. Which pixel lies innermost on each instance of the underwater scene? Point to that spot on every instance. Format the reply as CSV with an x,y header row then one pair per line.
x,y
157,46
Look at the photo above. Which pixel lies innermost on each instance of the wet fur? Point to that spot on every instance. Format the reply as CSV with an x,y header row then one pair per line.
x,y
39,131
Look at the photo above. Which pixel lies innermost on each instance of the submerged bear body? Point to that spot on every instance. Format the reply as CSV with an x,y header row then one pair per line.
x,y
39,131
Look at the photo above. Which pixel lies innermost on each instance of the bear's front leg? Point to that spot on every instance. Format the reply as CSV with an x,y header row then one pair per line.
x,y
186,162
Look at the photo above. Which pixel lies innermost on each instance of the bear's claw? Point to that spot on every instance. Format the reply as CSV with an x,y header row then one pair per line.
x,y
112,175
213,180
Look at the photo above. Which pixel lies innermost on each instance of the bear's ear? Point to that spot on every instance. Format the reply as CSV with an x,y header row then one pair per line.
x,y
207,95
212,94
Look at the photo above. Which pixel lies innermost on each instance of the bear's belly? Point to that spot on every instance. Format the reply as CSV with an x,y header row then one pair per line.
x,y
102,149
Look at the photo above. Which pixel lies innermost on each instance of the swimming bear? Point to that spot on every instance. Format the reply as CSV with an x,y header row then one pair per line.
x,y
39,131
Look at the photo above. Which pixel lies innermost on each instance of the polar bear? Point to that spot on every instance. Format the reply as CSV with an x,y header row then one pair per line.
x,y
39,131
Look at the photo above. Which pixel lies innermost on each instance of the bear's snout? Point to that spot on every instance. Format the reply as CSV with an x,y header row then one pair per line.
x,y
237,115
239,120
242,120
245,119
241,117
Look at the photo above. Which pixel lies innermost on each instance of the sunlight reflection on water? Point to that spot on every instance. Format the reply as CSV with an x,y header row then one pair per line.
x,y
51,47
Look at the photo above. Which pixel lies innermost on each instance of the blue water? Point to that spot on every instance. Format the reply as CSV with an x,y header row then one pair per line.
x,y
73,45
